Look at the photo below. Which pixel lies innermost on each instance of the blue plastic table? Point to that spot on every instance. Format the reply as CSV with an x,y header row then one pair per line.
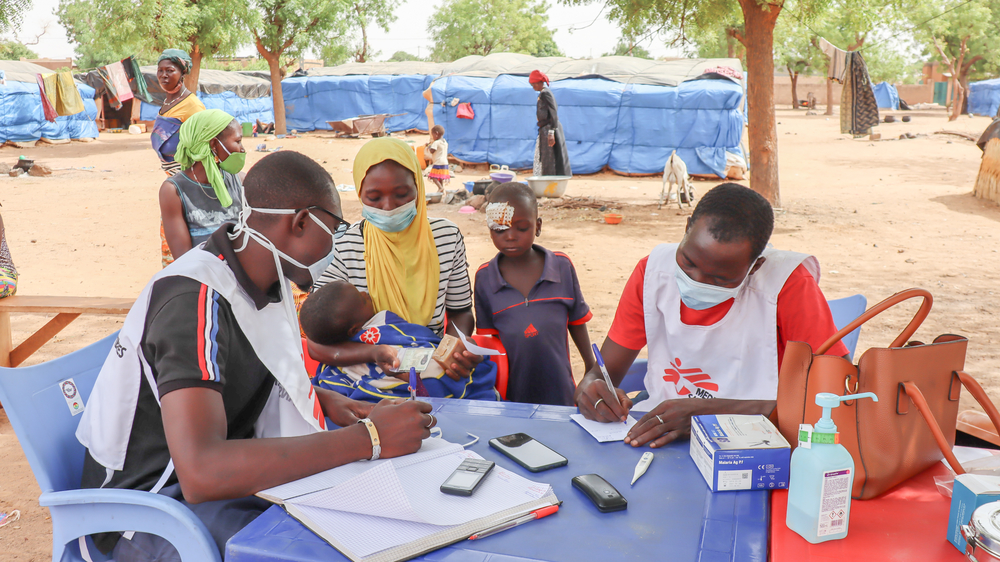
x,y
671,513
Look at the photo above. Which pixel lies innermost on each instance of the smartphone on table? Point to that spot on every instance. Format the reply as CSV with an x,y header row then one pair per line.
x,y
528,452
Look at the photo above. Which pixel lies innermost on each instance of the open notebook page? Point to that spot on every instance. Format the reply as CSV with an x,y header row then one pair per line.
x,y
376,539
412,493
429,449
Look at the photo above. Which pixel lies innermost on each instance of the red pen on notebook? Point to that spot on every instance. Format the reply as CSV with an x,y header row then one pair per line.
x,y
537,514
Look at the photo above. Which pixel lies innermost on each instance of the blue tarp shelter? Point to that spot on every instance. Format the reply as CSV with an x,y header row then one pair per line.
x,y
624,113
984,98
346,91
886,96
22,118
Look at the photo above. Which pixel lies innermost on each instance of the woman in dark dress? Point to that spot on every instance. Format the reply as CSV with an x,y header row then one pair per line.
x,y
551,158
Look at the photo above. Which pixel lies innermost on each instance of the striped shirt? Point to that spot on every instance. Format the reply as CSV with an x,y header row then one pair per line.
x,y
454,288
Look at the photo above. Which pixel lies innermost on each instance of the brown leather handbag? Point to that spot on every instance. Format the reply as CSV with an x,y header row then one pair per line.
x,y
911,427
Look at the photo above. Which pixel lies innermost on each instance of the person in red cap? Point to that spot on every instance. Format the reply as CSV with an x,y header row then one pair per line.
x,y
551,158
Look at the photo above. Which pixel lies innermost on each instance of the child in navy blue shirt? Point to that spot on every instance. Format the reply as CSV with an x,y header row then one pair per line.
x,y
530,298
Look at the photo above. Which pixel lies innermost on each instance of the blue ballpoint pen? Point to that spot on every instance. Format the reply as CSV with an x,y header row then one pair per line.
x,y
413,383
604,371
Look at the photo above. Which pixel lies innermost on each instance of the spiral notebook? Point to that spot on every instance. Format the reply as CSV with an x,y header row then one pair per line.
x,y
393,509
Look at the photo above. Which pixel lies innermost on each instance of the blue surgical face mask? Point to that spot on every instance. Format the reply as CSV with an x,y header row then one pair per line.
x,y
390,221
701,296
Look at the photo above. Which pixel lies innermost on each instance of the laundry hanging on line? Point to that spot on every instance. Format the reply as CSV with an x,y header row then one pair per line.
x,y
838,60
136,81
858,108
60,97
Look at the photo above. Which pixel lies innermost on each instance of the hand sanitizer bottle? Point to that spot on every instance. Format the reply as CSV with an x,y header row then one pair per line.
x,y
821,477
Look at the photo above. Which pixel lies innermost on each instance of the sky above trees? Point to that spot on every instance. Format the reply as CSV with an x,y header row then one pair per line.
x,y
408,33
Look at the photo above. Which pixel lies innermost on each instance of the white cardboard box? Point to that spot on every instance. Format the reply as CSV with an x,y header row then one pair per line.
x,y
738,452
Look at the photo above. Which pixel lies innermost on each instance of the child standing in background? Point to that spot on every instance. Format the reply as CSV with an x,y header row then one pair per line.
x,y
530,298
438,151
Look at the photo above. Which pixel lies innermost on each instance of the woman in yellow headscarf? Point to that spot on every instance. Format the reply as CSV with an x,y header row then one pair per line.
x,y
409,264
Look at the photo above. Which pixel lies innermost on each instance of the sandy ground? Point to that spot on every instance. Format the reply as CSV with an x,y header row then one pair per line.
x,y
880,216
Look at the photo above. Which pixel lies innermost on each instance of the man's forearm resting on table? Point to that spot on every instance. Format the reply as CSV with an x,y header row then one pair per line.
x,y
211,467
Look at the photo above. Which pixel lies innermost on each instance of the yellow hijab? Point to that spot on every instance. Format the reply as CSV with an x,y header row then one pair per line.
x,y
403,268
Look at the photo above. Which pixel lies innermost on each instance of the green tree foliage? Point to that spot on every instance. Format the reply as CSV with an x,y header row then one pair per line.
x,y
713,25
627,47
962,35
364,14
109,30
401,56
336,52
282,28
13,50
12,12
479,27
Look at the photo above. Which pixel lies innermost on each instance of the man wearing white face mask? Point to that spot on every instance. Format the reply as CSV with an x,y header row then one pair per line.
x,y
210,357
715,313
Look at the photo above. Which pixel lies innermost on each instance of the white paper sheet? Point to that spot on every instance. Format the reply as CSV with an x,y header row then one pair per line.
x,y
413,493
473,348
429,449
604,432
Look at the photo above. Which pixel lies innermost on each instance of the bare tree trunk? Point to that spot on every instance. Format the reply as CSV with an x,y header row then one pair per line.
x,y
363,54
191,80
829,96
794,76
958,96
763,134
963,79
730,46
277,98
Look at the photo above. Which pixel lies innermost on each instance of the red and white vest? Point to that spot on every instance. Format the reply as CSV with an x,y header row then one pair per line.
x,y
737,357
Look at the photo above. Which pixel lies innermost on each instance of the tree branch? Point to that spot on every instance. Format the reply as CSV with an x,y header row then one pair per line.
x,y
735,34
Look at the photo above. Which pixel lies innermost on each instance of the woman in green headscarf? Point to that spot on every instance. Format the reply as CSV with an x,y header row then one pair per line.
x,y
206,194
178,106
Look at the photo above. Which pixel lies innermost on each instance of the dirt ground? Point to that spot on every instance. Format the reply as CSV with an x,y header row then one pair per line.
x,y
880,216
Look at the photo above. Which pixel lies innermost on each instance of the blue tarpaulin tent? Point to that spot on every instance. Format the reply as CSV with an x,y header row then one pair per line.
x,y
621,112
886,96
22,118
311,101
984,98
631,128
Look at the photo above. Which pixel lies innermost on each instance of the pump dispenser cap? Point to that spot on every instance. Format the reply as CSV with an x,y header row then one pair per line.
x,y
828,401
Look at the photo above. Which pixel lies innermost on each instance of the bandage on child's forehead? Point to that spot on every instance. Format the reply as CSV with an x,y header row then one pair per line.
x,y
499,216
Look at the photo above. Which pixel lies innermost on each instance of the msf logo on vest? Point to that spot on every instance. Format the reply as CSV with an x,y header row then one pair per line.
x,y
692,383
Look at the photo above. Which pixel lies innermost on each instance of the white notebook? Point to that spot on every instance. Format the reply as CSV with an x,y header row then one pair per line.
x,y
393,509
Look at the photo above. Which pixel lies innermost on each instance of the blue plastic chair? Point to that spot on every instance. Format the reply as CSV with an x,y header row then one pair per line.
x,y
46,429
844,311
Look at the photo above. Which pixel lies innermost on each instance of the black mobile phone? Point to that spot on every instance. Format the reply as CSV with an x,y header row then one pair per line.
x,y
467,477
603,494
528,452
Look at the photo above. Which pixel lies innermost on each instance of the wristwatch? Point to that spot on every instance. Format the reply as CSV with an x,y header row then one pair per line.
x,y
373,433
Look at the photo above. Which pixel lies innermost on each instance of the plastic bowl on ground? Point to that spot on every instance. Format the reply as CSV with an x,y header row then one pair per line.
x,y
434,197
502,177
549,186
469,185
613,218
467,210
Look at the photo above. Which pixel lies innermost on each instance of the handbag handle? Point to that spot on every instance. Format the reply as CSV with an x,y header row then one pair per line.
x,y
977,392
904,336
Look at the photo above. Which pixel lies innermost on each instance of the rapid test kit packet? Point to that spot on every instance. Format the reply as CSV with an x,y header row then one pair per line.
x,y
736,452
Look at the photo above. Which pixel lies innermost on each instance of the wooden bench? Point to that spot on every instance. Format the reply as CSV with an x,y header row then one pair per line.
x,y
66,309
